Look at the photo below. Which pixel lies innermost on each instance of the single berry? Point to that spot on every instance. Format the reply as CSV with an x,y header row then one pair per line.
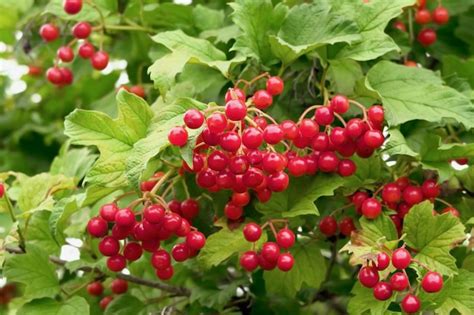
x,y
240,199
189,209
109,246
324,116
49,32
297,166
399,281
105,301
138,90
72,6
382,291
427,37
423,16
116,263
383,260
154,213
328,226
180,252
67,76
178,136
285,262
66,54
95,288
100,60
132,251
165,274
161,259
285,238
411,304
328,162
195,240
440,15
270,251
249,261
81,30
108,212
401,258
354,128
308,128
368,276
171,222
217,161
262,99
86,50
275,85
371,208
346,168
125,217
252,138
339,104
412,195
230,141
193,118
235,110
278,181
430,189
432,282
273,134
373,138
376,114
97,227
119,286
346,226
290,130
234,94
391,193
233,212
54,75
216,123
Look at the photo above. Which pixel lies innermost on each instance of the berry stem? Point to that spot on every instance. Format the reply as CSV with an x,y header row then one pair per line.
x,y
129,28
161,181
186,190
341,208
272,227
119,197
411,31
343,122
309,109
444,202
421,264
254,109
362,108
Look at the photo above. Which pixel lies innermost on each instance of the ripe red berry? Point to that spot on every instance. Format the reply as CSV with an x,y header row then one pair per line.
x,y
328,162
324,116
328,226
339,104
371,208
346,168
230,141
116,263
161,259
354,128
440,15
427,37
412,195
66,54
275,85
217,161
401,258
338,136
108,212
382,291
2,190
234,94
285,262
178,136
109,246
238,164
423,16
67,76
100,60
105,302
262,99
399,281
132,251
273,134
308,128
49,32
119,286
193,118
346,226
249,261
72,6
54,75
240,199
82,30
383,260
183,229
195,240
297,166
165,274
391,193
273,162
411,304
373,138
189,209
97,227
430,189
358,199
154,213
235,110
278,181
368,276
285,238
399,25
320,142
252,138
452,211
217,122
171,222
376,114
125,217
86,50
432,282
138,90
290,130
180,252
270,251
95,288
233,212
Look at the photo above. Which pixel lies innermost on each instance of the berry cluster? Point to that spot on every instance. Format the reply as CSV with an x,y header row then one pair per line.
x,y
270,256
329,226
427,36
241,148
50,32
369,277
117,286
158,222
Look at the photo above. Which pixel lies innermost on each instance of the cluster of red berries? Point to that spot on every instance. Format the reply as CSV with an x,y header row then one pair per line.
x,y
238,149
369,277
158,223
427,36
49,32
329,226
117,286
270,256
400,196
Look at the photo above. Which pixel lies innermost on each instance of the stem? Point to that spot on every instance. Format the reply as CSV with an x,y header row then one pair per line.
x,y
444,202
254,109
161,181
129,28
343,122
308,110
186,190
421,264
123,196
14,220
323,85
410,26
362,108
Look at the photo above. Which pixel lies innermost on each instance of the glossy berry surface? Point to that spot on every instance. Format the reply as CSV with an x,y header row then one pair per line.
x,y
252,232
178,136
275,85
432,282
285,262
427,37
99,60
119,286
328,226
441,15
95,288
368,276
410,304
72,6
49,32
382,291
81,30
371,208
401,258
383,261
399,281
285,238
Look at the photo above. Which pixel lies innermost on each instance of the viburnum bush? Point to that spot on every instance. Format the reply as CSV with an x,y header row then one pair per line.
x,y
247,157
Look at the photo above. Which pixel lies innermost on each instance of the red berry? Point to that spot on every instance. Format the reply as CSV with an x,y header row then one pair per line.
x,y
290,130
67,76
125,217
189,209
238,164
206,178
440,15
411,304
183,229
100,60
178,136
403,182
285,238
82,30
338,136
403,209
138,90
252,138
119,286
249,261
95,288
308,128
195,240
371,208
54,75
399,25
154,213
65,53
105,302
109,246
49,32
230,141
285,262
273,134
260,121
427,37
354,128
233,212
161,259
171,222
72,6
235,110
270,251
86,50
217,122
410,63
346,226
240,199
108,212
275,85
297,166
116,263
452,211
328,162
262,99
320,142
180,252
339,104
132,251
368,276
412,195
278,181
97,227
165,274
234,94
324,116
373,138
193,118
401,258
432,282
399,281
328,226
34,70
382,291
391,193
264,195
346,168
430,189
273,162
2,190
383,260
358,198
376,114
217,161
423,16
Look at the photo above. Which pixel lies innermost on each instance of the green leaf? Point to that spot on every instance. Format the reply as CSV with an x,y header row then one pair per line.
x,y
156,140
397,144
61,212
125,304
39,234
309,26
367,241
363,302
417,94
432,237
75,305
216,297
256,19
73,163
372,18
223,244
309,268
183,50
207,19
34,270
467,178
368,173
113,137
88,13
343,75
300,196
455,295
463,68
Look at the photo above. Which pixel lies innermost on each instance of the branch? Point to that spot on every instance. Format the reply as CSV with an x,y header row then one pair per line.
x,y
178,291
